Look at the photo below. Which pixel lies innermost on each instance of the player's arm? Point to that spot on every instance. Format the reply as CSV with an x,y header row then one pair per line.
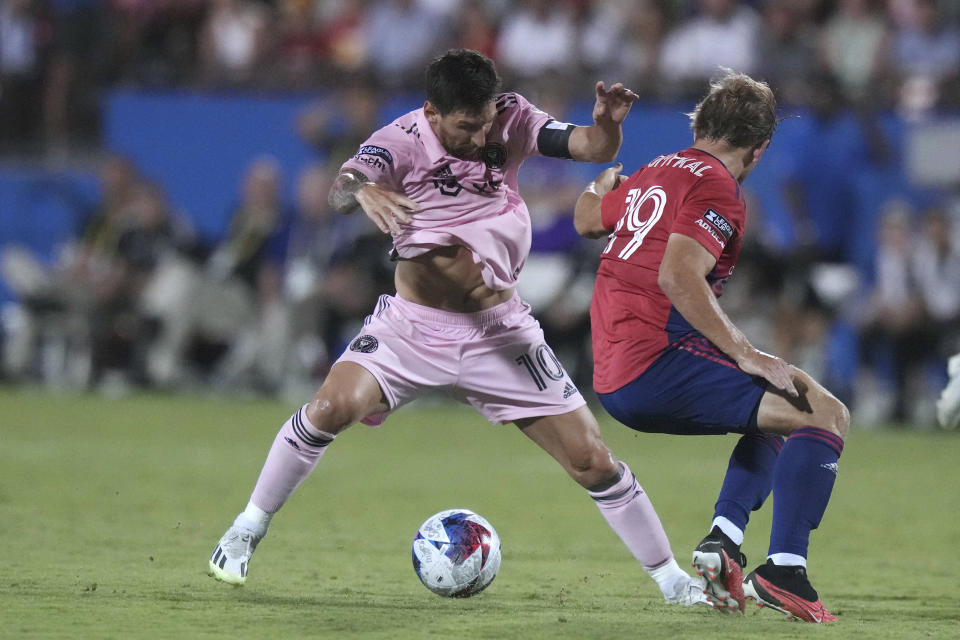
x,y
683,278
601,141
353,189
587,216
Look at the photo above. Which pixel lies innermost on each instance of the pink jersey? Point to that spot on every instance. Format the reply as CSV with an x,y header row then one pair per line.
x,y
474,203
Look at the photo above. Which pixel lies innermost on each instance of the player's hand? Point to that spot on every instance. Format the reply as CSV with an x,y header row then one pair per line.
x,y
609,179
386,208
773,369
614,104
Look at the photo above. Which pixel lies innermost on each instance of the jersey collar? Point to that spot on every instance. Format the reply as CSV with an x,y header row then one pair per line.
x,y
431,143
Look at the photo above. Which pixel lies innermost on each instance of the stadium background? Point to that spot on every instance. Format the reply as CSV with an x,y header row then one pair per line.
x,y
115,482
853,232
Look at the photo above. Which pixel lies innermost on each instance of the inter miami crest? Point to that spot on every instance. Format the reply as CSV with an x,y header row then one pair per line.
x,y
364,344
494,155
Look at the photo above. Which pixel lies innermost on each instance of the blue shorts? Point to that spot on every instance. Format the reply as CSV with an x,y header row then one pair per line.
x,y
691,389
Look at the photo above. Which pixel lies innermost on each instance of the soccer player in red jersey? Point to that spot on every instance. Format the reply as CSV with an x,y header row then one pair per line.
x,y
668,360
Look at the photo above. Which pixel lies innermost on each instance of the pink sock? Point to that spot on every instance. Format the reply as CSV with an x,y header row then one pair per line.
x,y
295,452
631,515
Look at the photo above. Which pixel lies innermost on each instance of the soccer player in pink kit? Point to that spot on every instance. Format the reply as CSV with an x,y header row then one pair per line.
x,y
442,180
668,360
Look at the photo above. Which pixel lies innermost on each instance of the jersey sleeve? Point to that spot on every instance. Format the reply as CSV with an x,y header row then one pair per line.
x,y
612,205
525,120
713,214
381,157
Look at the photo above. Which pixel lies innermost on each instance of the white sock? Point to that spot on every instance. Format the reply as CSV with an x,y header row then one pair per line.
x,y
667,575
731,530
788,559
255,519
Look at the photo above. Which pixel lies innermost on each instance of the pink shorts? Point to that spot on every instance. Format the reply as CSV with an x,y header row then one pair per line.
x,y
495,360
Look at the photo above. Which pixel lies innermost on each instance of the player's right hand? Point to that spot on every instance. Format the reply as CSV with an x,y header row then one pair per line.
x,y
609,179
386,208
774,370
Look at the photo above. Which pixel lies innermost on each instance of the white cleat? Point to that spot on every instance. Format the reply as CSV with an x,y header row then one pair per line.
x,y
948,406
231,558
688,593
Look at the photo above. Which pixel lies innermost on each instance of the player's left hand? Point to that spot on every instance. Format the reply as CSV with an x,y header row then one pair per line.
x,y
614,104
775,370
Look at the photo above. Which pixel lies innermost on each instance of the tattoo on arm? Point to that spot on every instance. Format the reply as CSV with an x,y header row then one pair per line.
x,y
343,193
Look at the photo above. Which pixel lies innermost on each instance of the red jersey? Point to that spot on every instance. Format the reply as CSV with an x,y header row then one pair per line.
x,y
632,320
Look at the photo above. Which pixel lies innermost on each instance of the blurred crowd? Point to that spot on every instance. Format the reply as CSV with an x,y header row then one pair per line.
x,y
140,299
60,55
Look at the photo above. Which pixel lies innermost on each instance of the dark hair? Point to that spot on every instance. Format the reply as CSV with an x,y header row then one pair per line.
x,y
738,109
461,79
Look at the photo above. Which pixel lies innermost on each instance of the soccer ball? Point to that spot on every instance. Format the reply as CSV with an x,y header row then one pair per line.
x,y
456,553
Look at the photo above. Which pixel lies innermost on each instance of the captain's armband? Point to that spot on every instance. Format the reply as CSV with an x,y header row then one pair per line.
x,y
554,139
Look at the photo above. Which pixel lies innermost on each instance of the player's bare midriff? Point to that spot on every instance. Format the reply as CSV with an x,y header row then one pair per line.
x,y
447,278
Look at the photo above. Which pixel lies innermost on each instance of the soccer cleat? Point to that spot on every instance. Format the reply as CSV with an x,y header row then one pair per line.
x,y
688,593
948,406
718,560
231,558
786,589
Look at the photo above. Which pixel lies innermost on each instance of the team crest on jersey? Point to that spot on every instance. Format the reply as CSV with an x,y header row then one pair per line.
x,y
364,344
494,155
446,182
719,222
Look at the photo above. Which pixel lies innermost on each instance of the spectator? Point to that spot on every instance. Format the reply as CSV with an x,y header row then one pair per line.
x,y
853,46
76,44
341,24
722,34
925,54
336,266
893,341
400,37
547,23
475,28
936,268
301,45
338,126
119,330
21,50
787,50
56,302
233,41
221,317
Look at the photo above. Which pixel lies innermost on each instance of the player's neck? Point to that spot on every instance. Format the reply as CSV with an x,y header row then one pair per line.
x,y
733,158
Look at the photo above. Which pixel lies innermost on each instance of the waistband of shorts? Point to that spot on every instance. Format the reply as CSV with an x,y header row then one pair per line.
x,y
482,318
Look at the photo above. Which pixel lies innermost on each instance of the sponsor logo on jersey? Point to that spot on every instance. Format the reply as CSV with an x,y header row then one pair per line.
x,y
364,344
374,156
494,155
568,390
706,227
719,222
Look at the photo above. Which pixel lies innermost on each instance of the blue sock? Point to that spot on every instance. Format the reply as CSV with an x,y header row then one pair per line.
x,y
802,482
749,477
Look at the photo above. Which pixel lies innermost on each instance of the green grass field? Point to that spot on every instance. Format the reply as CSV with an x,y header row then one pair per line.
x,y
109,510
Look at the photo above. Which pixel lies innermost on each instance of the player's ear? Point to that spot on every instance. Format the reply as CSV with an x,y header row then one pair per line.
x,y
759,150
431,112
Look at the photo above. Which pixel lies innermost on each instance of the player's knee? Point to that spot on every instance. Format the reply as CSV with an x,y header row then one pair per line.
x,y
594,467
842,419
334,410
835,416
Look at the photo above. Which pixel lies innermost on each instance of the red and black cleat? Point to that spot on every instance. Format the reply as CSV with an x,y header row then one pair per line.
x,y
787,590
719,561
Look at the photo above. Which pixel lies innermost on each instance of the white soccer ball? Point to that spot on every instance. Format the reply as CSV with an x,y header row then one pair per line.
x,y
456,553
